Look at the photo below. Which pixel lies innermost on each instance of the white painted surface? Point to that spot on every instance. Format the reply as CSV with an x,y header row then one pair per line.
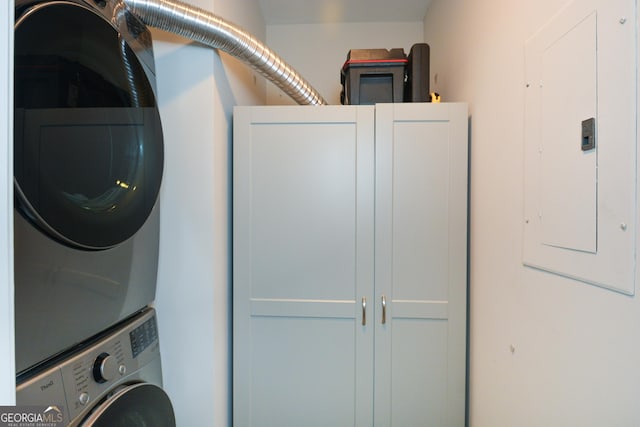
x,y
568,87
318,51
576,201
325,11
303,259
197,89
7,356
544,350
420,264
185,291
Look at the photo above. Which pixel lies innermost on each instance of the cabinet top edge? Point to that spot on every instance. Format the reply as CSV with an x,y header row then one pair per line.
x,y
349,107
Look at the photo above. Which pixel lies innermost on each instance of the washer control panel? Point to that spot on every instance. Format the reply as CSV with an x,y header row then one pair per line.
x,y
143,337
86,377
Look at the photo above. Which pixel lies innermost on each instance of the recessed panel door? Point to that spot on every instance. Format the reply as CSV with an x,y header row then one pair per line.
x,y
421,229
303,266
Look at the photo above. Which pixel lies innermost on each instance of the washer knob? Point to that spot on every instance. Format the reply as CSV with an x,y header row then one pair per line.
x,y
105,368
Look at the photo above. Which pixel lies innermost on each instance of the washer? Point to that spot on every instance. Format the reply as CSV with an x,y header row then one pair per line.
x,y
88,165
114,382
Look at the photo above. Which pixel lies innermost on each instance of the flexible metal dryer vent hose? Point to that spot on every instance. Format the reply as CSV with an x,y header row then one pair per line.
x,y
207,28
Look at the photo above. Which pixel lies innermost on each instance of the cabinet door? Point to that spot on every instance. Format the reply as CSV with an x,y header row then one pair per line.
x,y
303,261
421,264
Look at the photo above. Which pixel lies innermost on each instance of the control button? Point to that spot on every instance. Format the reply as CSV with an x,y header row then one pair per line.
x,y
122,369
105,368
83,398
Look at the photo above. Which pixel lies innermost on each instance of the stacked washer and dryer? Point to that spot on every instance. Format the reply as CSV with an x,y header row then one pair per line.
x,y
88,165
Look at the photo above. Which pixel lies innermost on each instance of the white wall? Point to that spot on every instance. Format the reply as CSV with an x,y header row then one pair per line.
x,y
545,350
318,51
197,90
7,357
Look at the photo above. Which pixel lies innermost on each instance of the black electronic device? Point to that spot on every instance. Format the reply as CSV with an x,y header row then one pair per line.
x,y
416,88
371,76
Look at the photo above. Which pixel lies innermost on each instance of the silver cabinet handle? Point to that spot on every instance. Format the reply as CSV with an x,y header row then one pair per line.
x,y
364,311
384,309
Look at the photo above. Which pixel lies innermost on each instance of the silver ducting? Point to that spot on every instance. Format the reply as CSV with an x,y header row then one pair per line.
x,y
207,28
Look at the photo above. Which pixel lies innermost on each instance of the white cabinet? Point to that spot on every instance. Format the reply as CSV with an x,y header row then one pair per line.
x,y
350,237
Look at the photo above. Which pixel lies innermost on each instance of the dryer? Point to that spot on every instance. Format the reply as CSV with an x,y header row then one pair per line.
x,y
88,159
116,381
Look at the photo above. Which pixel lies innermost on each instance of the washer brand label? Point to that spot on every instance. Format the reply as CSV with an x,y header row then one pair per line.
x,y
46,386
32,416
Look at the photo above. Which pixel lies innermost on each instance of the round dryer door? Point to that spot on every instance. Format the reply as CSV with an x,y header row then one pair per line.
x,y
88,141
134,406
